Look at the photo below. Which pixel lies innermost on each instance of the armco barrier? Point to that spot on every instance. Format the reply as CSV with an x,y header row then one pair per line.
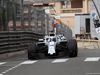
x,y
12,41
88,44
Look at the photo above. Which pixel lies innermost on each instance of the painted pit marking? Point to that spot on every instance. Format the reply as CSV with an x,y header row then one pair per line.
x,y
59,60
25,62
1,63
93,73
29,62
92,59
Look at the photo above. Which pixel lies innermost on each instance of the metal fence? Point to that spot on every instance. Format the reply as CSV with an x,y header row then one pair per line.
x,y
61,27
64,29
18,17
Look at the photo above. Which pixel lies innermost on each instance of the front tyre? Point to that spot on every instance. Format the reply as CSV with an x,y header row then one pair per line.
x,y
72,48
32,51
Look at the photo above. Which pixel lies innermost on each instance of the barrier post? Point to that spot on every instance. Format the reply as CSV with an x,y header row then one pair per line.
x,y
89,42
83,42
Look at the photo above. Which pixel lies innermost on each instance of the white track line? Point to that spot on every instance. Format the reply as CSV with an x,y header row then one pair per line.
x,y
29,62
1,63
11,69
59,60
26,62
93,73
92,59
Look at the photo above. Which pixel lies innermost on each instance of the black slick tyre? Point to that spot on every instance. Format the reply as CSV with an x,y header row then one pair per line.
x,y
32,51
72,48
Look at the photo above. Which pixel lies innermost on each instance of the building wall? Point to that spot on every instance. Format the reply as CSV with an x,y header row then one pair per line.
x,y
82,10
57,7
69,17
88,6
70,21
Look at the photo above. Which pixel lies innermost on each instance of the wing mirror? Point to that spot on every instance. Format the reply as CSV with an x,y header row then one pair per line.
x,y
41,40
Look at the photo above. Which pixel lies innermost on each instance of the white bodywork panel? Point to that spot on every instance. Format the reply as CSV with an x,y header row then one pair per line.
x,y
51,48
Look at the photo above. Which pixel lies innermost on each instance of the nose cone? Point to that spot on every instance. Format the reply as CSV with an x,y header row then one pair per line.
x,y
51,48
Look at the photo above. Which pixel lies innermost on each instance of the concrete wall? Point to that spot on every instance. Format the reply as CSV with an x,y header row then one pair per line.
x,y
88,44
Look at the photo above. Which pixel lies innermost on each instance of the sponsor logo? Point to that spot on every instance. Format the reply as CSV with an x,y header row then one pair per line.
x,y
51,45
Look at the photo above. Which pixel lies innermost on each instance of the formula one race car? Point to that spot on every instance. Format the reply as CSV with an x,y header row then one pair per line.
x,y
52,45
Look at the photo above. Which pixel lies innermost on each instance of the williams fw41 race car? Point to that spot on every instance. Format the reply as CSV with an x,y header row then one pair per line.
x,y
52,46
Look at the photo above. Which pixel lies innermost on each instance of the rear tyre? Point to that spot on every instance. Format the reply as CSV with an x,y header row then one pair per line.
x,y
32,51
72,48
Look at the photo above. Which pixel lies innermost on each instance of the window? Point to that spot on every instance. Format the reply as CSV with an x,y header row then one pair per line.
x,y
76,4
65,4
68,4
72,4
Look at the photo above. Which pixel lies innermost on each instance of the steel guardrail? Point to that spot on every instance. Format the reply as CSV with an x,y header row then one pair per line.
x,y
11,41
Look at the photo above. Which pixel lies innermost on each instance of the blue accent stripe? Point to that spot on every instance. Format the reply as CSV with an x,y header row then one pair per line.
x,y
81,14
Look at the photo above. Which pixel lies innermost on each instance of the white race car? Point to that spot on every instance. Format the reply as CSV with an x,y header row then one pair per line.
x,y
52,45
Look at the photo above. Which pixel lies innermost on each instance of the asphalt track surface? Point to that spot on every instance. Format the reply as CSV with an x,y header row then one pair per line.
x,y
87,63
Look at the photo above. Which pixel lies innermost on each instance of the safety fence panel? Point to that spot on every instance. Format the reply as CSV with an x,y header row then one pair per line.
x,y
11,41
64,29
19,17
61,28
